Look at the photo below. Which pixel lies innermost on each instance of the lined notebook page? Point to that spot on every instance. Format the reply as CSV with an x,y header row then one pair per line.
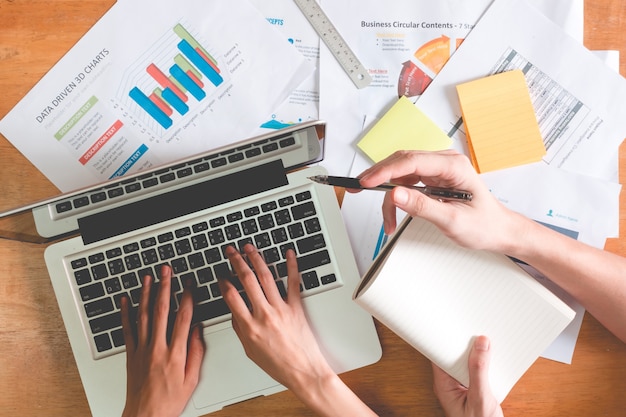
x,y
438,296
500,122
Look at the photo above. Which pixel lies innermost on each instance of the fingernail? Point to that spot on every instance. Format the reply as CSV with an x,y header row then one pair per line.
x,y
401,196
482,344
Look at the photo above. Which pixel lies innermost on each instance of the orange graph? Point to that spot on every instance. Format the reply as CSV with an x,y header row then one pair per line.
x,y
435,53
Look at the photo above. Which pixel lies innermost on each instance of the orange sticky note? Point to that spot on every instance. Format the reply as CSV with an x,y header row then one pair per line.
x,y
500,122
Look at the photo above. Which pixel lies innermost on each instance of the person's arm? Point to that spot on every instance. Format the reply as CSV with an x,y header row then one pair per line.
x,y
596,278
276,335
161,376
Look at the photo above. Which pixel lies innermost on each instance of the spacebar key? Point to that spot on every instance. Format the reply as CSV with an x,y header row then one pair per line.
x,y
210,310
313,260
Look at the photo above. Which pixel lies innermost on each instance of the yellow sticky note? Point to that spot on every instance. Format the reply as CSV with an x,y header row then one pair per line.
x,y
403,127
500,122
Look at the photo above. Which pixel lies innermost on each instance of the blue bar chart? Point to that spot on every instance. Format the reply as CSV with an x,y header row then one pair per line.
x,y
191,70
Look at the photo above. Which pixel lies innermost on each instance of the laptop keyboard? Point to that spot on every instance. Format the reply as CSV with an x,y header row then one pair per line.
x,y
195,251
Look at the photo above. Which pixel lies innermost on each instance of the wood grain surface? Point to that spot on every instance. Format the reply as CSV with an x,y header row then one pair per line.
x,y
38,376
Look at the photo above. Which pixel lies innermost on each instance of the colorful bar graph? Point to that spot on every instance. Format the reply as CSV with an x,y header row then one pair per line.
x,y
164,82
189,69
183,34
156,99
152,109
182,77
175,101
200,63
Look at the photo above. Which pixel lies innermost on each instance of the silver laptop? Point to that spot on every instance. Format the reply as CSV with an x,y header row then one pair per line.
x,y
185,214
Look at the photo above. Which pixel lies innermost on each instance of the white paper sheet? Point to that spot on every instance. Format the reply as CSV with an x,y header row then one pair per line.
x,y
385,37
384,50
302,105
585,206
577,98
81,124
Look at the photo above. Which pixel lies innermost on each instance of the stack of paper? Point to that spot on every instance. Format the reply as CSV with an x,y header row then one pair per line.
x,y
580,123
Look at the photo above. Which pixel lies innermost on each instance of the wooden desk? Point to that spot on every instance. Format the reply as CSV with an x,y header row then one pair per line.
x,y
38,375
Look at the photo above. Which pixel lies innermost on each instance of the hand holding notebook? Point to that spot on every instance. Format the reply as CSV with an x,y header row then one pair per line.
x,y
439,296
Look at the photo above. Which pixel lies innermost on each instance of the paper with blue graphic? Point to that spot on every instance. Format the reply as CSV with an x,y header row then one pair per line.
x,y
127,97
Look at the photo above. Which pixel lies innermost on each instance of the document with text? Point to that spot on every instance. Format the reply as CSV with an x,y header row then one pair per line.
x,y
404,44
578,100
128,97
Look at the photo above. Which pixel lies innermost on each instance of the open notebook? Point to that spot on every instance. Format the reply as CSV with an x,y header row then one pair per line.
x,y
438,297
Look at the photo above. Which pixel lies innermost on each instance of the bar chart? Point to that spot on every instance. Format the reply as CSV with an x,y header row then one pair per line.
x,y
190,71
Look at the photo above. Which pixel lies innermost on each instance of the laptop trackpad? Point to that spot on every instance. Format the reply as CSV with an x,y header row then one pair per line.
x,y
227,375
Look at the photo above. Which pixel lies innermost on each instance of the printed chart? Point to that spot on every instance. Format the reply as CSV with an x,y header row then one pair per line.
x,y
129,97
177,75
417,72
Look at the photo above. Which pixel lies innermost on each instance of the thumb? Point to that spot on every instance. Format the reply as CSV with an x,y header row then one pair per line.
x,y
478,363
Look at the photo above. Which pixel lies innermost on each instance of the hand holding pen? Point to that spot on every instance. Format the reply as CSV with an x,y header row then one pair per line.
x,y
477,223
446,194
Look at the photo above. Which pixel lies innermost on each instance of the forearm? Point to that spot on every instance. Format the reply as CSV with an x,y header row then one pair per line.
x,y
596,278
329,396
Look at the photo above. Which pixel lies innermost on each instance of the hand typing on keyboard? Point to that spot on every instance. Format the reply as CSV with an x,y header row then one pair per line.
x,y
162,373
276,335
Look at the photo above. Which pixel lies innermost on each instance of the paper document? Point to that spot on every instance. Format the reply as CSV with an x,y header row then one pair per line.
x,y
577,98
403,43
302,105
500,122
126,97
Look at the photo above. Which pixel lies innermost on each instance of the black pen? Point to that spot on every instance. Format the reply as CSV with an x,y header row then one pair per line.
x,y
434,192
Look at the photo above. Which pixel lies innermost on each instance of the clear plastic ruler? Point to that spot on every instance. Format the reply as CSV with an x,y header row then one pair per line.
x,y
337,45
